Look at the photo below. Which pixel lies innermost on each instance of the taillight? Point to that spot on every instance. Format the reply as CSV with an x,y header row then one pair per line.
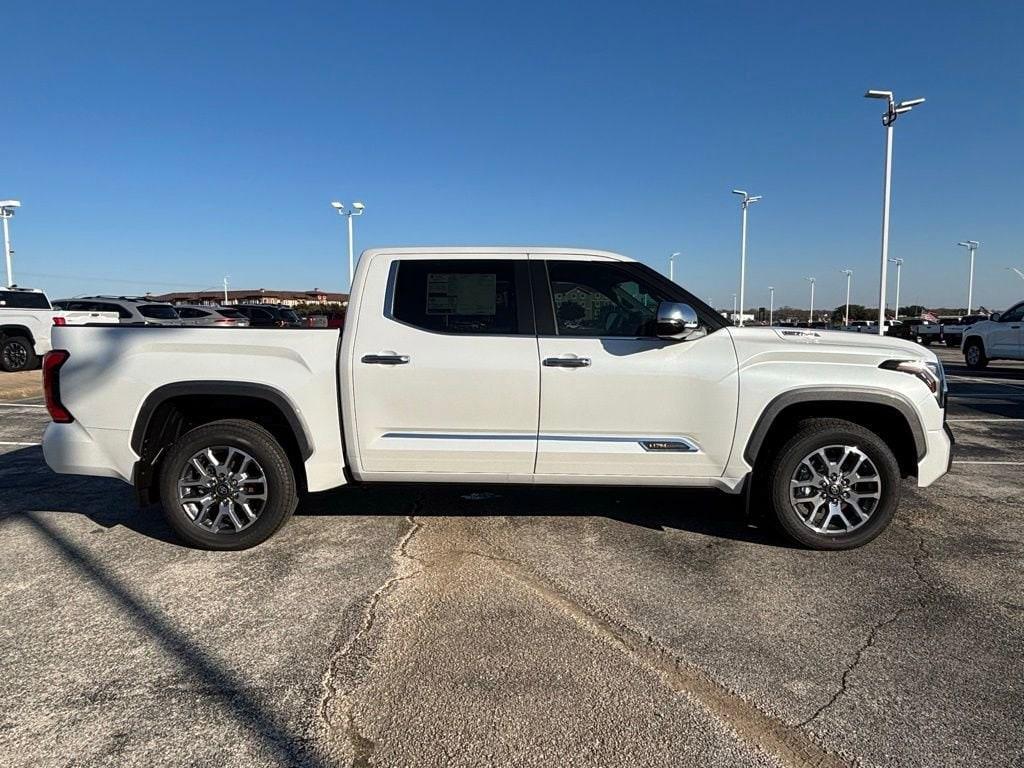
x,y
59,320
52,362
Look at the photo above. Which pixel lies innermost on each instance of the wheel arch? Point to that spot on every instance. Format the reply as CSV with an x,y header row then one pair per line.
x,y
883,412
172,409
17,330
974,337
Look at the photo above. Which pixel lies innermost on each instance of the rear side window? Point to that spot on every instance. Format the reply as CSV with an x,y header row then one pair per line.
x,y
458,296
158,311
189,313
23,300
232,313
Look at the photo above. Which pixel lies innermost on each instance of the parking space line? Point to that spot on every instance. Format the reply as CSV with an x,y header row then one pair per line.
x,y
3,442
22,405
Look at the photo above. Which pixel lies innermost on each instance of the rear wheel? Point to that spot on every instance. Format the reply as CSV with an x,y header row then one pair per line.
x,y
227,485
834,485
974,355
17,354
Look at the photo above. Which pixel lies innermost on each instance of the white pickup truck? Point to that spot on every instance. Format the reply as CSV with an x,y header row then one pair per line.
x,y
500,365
26,318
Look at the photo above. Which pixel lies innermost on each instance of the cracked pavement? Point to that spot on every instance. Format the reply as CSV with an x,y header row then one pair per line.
x,y
529,627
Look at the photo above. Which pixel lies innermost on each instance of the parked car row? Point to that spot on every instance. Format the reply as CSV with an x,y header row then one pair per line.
x,y
26,317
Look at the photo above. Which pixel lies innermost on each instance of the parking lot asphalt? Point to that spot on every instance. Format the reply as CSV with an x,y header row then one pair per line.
x,y
536,627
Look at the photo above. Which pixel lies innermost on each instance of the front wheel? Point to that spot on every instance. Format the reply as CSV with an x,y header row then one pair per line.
x,y
974,355
17,354
227,485
834,485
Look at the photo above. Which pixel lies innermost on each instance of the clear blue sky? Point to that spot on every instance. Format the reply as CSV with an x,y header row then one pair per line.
x,y
166,144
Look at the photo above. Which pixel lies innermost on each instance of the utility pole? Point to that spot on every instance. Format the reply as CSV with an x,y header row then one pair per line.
x,y
893,111
771,304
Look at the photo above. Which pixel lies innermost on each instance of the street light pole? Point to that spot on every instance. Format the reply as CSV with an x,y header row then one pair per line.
x,y
734,309
356,210
771,304
672,265
893,111
899,269
810,317
225,289
972,247
745,203
7,208
849,277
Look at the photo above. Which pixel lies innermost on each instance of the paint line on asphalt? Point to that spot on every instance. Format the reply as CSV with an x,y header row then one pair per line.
x,y
22,405
3,442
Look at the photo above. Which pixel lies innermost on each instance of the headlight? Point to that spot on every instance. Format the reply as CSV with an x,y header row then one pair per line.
x,y
931,373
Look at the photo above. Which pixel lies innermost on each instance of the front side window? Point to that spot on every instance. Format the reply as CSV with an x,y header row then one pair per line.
x,y
593,298
457,296
1013,315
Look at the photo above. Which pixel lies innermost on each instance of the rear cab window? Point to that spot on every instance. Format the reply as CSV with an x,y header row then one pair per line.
x,y
23,300
463,296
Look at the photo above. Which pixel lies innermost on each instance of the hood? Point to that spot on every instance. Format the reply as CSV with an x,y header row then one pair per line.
x,y
839,346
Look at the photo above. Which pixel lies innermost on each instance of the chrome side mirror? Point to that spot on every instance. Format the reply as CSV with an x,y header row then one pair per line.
x,y
995,317
676,321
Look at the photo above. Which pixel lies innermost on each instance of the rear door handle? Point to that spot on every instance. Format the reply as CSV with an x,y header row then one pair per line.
x,y
567,362
388,359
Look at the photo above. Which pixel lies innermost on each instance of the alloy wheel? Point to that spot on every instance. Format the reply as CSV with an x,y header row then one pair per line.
x,y
15,356
835,489
222,489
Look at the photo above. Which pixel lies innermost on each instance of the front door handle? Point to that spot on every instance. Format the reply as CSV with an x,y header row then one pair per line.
x,y
388,359
567,362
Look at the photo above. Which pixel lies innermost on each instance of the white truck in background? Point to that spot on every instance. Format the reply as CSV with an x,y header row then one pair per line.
x,y
500,365
26,318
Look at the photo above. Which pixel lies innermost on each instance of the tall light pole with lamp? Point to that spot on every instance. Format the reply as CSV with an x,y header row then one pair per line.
x,y
972,247
7,208
849,278
894,110
899,269
672,265
356,210
810,317
745,203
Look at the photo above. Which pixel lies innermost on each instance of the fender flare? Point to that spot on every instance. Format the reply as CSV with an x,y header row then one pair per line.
x,y
834,394
215,388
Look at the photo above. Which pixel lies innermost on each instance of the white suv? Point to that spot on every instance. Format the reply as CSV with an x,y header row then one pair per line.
x,y
1001,337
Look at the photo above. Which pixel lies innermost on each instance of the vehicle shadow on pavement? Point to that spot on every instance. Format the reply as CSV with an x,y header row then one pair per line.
x,y
28,485
707,513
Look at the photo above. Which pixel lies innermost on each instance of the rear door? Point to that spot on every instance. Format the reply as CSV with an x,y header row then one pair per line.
x,y
444,368
616,401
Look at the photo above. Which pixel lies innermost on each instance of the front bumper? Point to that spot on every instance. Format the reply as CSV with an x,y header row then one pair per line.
x,y
938,458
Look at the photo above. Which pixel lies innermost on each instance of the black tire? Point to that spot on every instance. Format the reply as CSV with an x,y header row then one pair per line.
x,y
17,354
261,445
974,355
811,435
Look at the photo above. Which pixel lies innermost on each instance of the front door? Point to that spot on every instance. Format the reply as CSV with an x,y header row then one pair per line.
x,y
1005,340
445,370
615,399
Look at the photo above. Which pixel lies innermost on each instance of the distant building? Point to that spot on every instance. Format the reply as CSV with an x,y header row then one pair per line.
x,y
314,298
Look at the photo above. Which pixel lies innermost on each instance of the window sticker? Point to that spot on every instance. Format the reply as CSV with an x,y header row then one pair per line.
x,y
461,294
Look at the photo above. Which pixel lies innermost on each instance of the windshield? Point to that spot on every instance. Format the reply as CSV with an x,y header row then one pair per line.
x,y
158,311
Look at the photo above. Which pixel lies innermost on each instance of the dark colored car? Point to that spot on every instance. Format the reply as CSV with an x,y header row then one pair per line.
x,y
269,316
